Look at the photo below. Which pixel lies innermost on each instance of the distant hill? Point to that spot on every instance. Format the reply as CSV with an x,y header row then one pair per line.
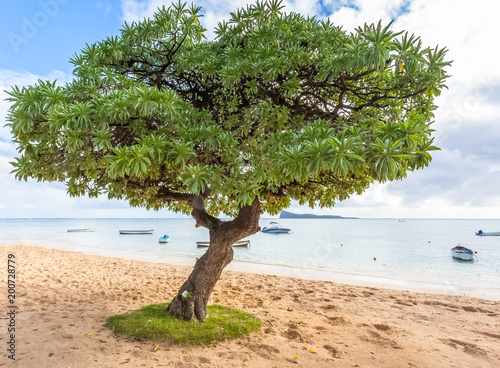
x,y
285,214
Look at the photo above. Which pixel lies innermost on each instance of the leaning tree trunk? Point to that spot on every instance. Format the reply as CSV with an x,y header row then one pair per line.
x,y
190,303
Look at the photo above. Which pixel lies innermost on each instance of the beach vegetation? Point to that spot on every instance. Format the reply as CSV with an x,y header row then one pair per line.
x,y
154,323
278,107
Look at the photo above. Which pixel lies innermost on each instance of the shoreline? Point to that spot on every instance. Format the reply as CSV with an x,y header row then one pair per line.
x,y
65,297
257,268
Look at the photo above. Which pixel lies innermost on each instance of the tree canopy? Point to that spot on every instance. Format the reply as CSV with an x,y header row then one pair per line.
x,y
277,107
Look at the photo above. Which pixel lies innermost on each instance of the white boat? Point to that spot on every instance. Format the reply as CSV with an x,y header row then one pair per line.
x,y
136,232
489,233
90,229
240,243
276,228
164,239
465,254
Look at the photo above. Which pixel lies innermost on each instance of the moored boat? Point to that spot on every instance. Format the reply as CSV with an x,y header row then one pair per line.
x,y
240,243
86,230
465,254
276,228
164,239
487,233
136,232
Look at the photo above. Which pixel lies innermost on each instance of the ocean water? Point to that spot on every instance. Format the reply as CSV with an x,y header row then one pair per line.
x,y
413,254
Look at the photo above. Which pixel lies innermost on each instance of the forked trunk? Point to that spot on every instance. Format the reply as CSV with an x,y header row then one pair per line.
x,y
190,303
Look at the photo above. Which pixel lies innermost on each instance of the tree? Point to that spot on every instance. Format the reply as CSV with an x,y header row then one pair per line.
x,y
278,107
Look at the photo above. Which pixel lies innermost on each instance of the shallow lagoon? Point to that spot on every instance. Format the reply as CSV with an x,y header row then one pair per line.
x,y
413,254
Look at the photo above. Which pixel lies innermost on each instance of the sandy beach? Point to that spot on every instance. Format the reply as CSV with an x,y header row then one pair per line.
x,y
64,299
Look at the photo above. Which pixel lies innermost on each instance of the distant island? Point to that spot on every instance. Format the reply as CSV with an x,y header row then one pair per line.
x,y
285,214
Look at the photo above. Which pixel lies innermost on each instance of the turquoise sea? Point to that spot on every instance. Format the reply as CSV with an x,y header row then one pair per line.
x,y
412,254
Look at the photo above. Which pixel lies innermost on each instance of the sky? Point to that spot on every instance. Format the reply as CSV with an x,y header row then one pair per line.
x,y
38,37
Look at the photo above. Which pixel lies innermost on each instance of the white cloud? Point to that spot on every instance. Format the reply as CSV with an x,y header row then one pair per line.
x,y
8,79
467,30
43,199
463,178
356,13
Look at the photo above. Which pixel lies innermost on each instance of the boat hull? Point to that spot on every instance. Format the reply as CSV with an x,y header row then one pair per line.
x,y
462,253
496,233
164,239
136,232
276,231
238,244
81,230
275,228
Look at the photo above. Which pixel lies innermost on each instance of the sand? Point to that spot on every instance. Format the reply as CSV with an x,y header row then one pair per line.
x,y
64,299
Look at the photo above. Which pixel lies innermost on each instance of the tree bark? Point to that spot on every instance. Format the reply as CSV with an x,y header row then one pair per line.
x,y
190,303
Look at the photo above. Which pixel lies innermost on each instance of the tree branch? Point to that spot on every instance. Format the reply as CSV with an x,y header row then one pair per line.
x,y
247,221
168,196
201,216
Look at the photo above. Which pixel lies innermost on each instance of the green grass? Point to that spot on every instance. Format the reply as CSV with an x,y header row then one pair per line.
x,y
152,322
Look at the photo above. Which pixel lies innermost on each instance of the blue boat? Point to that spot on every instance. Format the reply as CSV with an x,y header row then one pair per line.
x,y
164,239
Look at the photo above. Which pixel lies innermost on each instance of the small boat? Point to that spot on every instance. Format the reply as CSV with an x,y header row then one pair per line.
x,y
491,233
136,232
238,244
164,239
276,228
465,254
87,230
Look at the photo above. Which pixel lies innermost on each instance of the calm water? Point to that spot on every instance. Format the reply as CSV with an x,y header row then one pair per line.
x,y
413,254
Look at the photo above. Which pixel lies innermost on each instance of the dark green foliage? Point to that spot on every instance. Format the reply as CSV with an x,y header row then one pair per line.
x,y
152,322
277,107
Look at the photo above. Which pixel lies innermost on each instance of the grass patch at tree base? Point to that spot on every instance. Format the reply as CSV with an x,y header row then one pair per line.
x,y
152,322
